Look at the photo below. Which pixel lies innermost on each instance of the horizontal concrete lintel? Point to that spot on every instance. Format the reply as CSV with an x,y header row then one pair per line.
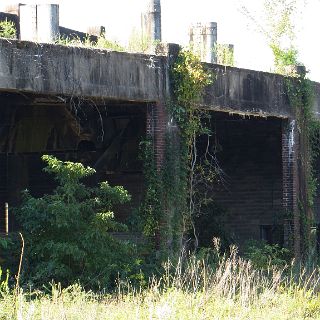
x,y
55,69
246,113
100,74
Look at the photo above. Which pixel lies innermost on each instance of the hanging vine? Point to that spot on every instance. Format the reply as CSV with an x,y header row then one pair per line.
x,y
171,196
189,82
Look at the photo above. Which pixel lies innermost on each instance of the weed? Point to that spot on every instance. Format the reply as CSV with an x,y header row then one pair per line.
x,y
7,29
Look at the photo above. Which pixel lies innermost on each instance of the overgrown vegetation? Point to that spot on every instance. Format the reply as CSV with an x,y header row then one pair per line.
x,y
100,43
280,33
7,29
232,289
263,255
141,43
137,43
224,54
173,193
299,89
67,233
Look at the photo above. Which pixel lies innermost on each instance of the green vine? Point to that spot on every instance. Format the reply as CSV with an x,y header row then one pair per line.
x,y
151,209
166,210
281,38
189,81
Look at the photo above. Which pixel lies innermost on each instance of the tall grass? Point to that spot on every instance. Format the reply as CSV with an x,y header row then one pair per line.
x,y
232,289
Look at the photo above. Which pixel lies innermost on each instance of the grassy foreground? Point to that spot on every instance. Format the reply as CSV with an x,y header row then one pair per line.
x,y
234,290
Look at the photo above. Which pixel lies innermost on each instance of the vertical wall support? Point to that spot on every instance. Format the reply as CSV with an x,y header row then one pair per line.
x,y
151,21
28,22
203,38
156,128
290,181
47,22
39,22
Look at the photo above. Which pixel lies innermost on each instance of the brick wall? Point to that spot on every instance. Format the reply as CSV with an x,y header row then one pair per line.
x,y
156,128
290,188
249,153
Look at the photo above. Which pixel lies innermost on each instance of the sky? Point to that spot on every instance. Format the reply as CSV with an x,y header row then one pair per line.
x,y
120,17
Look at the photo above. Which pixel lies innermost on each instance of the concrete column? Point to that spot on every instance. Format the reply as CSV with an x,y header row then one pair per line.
x,y
39,22
28,22
290,183
47,22
151,21
203,37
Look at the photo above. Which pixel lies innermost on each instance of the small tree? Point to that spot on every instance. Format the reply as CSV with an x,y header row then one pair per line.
x,y
67,232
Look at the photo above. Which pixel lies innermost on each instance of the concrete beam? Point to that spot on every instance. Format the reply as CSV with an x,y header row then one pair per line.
x,y
84,72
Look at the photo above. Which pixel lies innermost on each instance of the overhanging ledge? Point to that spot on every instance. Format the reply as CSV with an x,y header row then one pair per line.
x,y
74,71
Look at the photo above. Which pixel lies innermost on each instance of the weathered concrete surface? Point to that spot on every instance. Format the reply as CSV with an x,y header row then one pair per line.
x,y
54,69
60,70
247,91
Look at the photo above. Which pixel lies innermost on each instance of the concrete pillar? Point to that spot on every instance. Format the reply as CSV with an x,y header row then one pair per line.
x,y
151,21
28,22
290,183
39,22
203,37
47,22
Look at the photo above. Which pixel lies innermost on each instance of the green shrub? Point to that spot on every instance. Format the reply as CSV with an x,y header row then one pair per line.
x,y
264,255
67,232
7,29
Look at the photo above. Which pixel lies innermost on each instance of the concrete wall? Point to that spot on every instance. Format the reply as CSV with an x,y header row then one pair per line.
x,y
60,70
247,91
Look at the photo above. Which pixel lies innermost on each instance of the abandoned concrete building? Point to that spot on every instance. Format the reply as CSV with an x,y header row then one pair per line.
x,y
95,106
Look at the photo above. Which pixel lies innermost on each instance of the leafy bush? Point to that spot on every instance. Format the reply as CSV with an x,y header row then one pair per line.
x,y
209,224
7,29
67,232
262,255
10,249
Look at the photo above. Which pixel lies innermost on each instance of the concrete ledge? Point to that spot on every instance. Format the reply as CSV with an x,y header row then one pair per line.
x,y
51,69
247,91
55,69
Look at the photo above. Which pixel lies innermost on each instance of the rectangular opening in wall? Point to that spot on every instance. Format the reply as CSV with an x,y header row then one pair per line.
x,y
266,233
247,185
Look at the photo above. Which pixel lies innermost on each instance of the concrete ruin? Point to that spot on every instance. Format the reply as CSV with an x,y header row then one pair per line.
x,y
95,106
203,37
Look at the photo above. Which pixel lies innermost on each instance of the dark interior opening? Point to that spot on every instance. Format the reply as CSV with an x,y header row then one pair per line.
x,y
247,191
102,134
